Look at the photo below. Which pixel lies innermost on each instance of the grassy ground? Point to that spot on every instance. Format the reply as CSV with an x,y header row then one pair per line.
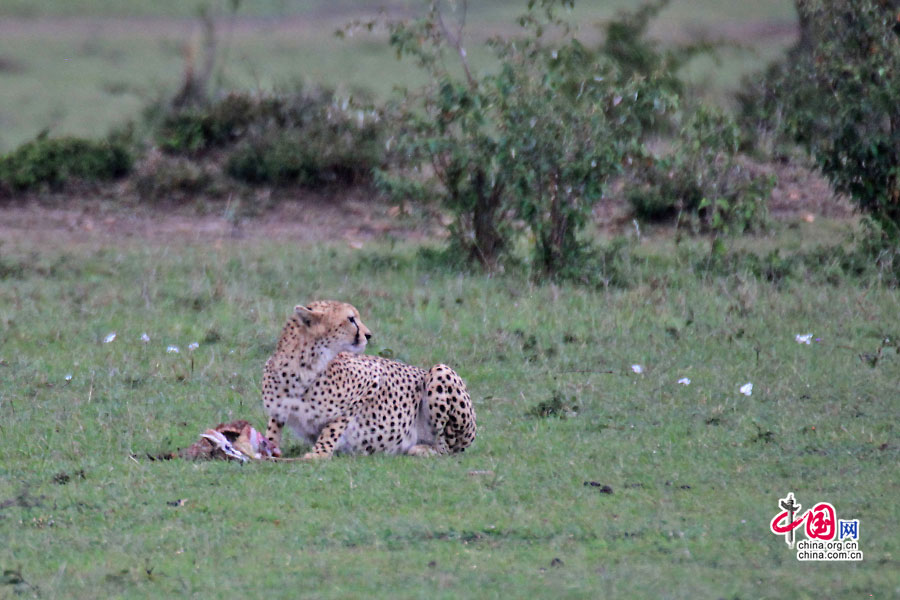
x,y
696,471
82,67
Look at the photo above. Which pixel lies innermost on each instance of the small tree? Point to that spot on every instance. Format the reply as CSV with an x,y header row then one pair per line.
x,y
857,74
566,126
445,145
535,141
700,182
837,95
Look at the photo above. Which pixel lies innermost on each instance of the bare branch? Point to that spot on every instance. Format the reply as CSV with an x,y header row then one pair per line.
x,y
456,41
462,21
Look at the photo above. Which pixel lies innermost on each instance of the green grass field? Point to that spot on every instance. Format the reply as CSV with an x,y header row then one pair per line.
x,y
82,67
696,471
587,479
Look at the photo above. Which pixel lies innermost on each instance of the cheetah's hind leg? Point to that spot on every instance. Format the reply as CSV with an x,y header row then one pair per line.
x,y
449,410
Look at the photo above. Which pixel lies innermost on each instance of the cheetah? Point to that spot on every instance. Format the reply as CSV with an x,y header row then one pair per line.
x,y
328,393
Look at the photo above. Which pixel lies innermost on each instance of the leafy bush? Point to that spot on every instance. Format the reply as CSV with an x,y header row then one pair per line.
x,y
636,55
194,129
307,137
700,182
568,127
170,179
52,162
837,96
534,143
320,155
762,113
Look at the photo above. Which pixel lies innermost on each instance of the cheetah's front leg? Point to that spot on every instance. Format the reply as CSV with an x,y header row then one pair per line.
x,y
328,439
273,434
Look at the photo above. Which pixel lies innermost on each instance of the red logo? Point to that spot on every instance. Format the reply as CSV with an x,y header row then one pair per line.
x,y
827,537
820,520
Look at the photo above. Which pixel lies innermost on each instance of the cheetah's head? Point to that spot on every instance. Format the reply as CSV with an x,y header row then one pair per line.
x,y
336,324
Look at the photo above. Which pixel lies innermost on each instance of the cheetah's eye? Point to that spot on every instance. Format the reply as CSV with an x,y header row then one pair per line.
x,y
352,319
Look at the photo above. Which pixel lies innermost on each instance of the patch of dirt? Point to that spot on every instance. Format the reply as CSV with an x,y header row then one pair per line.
x,y
352,215
801,191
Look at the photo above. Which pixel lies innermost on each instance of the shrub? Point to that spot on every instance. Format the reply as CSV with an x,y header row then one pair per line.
x,y
183,132
194,129
52,162
837,96
536,142
170,179
636,55
700,182
763,116
566,128
305,137
317,156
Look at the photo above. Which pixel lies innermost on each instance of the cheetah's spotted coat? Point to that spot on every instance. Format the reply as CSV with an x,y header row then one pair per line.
x,y
318,384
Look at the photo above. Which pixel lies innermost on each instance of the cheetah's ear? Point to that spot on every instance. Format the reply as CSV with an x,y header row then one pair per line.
x,y
307,315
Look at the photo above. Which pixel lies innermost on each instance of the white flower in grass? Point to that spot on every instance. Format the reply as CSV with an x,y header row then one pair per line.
x,y
173,350
684,381
747,389
193,346
803,339
637,369
145,338
109,337
68,377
